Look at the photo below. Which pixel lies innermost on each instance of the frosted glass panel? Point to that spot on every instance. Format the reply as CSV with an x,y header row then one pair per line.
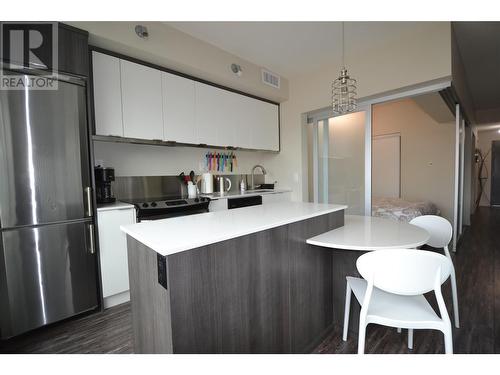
x,y
341,159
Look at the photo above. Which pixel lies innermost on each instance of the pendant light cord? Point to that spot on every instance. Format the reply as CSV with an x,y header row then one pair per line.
x,y
343,47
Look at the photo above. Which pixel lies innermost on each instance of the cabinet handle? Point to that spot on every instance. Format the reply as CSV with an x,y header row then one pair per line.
x,y
88,198
90,228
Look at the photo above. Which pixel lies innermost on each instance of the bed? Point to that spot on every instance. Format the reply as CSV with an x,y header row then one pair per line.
x,y
402,210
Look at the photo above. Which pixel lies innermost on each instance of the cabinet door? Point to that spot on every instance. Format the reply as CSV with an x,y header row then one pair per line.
x,y
215,115
265,124
254,123
107,95
178,109
142,101
113,250
73,50
244,125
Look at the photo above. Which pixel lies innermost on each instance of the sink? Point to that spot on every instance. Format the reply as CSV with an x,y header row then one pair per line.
x,y
260,191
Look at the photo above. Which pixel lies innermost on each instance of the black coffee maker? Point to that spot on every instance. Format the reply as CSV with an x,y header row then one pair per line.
x,y
103,179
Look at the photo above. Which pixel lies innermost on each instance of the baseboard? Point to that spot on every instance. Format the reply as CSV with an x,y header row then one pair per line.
x,y
116,299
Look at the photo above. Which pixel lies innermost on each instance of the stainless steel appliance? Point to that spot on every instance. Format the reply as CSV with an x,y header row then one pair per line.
x,y
158,197
254,200
47,257
168,206
103,188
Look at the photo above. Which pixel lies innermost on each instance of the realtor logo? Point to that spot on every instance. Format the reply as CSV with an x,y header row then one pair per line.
x,y
28,55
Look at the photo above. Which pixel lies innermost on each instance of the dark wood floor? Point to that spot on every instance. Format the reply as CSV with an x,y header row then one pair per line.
x,y
477,266
106,332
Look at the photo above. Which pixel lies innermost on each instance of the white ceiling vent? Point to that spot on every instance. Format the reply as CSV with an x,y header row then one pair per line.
x,y
270,78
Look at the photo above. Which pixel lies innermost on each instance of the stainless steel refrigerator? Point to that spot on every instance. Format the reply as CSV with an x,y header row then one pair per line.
x,y
47,257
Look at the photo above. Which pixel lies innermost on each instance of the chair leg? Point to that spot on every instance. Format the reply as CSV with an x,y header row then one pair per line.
x,y
455,298
448,341
410,338
347,311
399,330
361,338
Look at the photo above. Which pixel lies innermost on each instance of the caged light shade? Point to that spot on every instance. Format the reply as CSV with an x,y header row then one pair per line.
x,y
344,94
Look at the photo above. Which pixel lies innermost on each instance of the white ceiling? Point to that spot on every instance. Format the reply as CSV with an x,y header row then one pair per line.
x,y
479,46
294,48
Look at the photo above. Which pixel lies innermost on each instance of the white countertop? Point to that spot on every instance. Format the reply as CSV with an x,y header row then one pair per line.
x,y
113,206
247,193
366,233
170,236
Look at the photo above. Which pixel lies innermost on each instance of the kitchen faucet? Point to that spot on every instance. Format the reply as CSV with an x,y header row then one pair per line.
x,y
253,174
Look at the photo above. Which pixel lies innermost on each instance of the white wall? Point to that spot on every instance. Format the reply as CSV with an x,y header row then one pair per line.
x,y
145,160
427,152
409,60
484,140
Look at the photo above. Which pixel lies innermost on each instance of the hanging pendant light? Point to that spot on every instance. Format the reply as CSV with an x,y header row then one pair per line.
x,y
343,88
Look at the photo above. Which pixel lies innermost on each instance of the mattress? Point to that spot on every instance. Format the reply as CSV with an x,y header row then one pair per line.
x,y
402,210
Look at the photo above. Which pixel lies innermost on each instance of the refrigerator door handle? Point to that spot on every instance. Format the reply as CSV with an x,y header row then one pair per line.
x,y
88,199
90,228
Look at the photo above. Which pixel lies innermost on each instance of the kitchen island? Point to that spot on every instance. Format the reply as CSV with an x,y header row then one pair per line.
x,y
236,281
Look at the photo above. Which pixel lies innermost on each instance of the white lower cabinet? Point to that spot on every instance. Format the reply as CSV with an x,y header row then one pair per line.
x,y
113,253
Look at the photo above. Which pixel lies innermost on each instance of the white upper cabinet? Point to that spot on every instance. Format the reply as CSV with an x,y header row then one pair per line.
x,y
141,101
225,118
265,135
178,109
211,116
257,125
134,101
107,94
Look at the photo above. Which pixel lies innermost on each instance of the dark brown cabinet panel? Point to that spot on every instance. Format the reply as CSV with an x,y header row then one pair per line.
x,y
231,297
311,287
252,293
73,50
266,292
192,286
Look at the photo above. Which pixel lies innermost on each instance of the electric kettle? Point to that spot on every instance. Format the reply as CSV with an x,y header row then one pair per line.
x,y
206,183
222,184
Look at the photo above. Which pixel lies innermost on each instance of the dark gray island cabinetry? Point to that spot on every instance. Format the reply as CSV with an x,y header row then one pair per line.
x,y
262,292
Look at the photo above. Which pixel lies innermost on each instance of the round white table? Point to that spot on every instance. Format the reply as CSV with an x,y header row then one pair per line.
x,y
367,233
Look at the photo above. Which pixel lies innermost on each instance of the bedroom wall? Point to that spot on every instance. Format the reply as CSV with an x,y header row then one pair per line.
x,y
427,152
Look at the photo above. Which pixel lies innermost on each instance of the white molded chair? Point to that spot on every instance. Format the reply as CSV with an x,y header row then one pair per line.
x,y
441,233
391,293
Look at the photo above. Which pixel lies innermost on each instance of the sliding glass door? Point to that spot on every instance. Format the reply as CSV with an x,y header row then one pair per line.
x,y
338,161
